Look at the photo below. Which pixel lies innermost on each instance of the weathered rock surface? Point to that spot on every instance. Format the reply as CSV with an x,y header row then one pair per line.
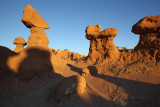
x,y
67,55
70,86
101,43
33,20
148,24
149,43
20,43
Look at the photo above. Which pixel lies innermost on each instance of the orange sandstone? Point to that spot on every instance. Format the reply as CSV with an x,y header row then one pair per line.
x,y
20,43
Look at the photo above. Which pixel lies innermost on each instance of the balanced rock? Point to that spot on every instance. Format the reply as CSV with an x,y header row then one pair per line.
x,y
20,43
70,86
31,18
101,43
34,21
149,30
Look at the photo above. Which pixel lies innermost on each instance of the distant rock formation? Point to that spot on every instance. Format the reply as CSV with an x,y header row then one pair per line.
x,y
20,43
149,30
70,86
121,49
34,21
101,43
67,54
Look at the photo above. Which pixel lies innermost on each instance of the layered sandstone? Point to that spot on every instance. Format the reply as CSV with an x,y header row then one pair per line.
x,y
101,43
20,43
34,21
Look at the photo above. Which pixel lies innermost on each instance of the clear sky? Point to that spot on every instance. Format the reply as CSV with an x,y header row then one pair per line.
x,y
68,20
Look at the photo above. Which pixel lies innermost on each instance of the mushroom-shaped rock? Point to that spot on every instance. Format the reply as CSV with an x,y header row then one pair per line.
x,y
148,24
20,43
149,30
31,18
101,43
70,86
34,21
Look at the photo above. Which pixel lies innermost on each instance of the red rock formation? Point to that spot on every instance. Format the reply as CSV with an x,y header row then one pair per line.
x,y
32,61
149,30
20,43
34,21
101,43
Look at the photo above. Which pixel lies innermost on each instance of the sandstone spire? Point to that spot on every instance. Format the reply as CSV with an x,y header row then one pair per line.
x,y
20,43
101,43
34,21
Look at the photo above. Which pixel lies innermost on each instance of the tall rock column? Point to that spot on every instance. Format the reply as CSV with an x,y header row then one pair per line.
x,y
34,21
101,43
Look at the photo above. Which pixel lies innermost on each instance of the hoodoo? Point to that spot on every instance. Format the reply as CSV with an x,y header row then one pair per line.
x,y
34,21
20,43
101,43
149,30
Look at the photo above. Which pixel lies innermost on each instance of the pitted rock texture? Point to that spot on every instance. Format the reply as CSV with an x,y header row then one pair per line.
x,y
101,43
149,43
148,24
20,43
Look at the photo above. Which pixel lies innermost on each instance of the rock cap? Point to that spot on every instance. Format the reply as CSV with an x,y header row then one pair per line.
x,y
20,41
148,24
95,31
32,18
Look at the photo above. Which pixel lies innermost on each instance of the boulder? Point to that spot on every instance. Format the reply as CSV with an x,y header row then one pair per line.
x,y
20,43
86,72
70,86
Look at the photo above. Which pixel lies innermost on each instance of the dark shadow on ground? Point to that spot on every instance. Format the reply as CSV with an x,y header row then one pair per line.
x,y
75,69
36,82
144,94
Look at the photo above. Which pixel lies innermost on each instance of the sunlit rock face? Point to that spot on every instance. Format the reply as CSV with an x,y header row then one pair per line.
x,y
20,43
101,43
34,21
149,30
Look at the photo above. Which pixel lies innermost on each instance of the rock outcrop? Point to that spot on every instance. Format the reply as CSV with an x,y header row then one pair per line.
x,y
20,43
67,54
101,43
70,86
37,25
31,62
149,30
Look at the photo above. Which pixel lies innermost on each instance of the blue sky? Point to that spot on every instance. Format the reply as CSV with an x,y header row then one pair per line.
x,y
68,20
